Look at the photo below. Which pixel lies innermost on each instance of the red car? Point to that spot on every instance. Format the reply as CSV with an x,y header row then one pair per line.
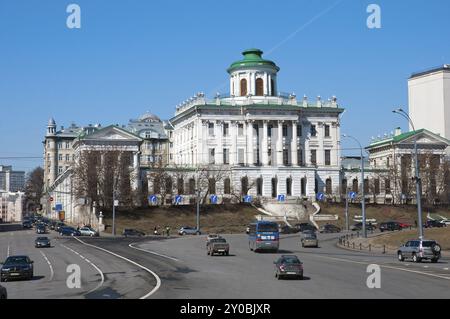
x,y
405,225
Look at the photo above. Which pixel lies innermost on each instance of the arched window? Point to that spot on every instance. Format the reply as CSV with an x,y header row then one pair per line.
x,y
227,186
191,186
355,185
180,186
329,186
259,186
212,186
244,186
274,187
169,186
243,87
259,87
272,86
289,186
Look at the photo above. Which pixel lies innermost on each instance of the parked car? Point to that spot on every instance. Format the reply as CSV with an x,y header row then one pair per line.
x,y
186,230
288,266
419,250
289,230
330,228
445,221
305,226
358,227
390,226
3,293
218,246
434,224
42,242
309,240
59,225
68,231
41,229
87,231
17,267
405,225
129,232
27,225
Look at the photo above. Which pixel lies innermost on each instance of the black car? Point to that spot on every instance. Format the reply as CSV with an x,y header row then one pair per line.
x,y
59,225
27,225
289,230
288,266
329,228
42,242
358,227
434,224
17,267
132,233
41,229
390,226
305,226
68,231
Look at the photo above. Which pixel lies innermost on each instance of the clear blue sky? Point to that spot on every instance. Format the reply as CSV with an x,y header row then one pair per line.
x,y
134,56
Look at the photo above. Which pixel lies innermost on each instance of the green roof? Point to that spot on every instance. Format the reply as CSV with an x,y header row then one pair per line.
x,y
252,58
400,138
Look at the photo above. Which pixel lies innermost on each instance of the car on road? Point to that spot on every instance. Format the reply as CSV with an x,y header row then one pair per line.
x,y
186,230
17,267
27,225
289,230
68,231
128,232
42,242
3,293
418,250
358,227
390,226
309,240
211,237
88,231
434,224
59,225
288,266
305,226
218,246
329,228
41,229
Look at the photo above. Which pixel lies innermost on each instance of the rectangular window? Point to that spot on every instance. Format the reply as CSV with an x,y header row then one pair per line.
x,y
212,156
327,157
226,128
211,129
327,131
60,169
241,129
313,157
226,156
299,131
285,131
67,158
67,145
269,130
387,186
60,146
60,157
376,186
300,157
241,153
313,130
285,157
388,164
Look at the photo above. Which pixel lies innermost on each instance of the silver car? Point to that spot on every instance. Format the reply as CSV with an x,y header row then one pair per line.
x,y
185,230
87,231
309,240
419,250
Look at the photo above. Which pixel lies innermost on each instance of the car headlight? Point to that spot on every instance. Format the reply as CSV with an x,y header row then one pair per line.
x,y
5,269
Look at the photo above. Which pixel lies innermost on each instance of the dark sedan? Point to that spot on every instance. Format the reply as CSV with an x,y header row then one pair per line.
x,y
132,233
68,231
329,228
27,225
305,226
17,267
288,266
434,224
358,227
289,230
390,226
42,242
41,229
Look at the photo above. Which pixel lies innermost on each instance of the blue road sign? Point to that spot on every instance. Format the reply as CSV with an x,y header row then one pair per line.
x,y
320,196
178,199
58,207
153,199
281,198
213,199
248,199
352,195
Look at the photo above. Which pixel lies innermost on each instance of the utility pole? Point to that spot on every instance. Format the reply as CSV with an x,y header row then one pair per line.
x,y
417,179
347,227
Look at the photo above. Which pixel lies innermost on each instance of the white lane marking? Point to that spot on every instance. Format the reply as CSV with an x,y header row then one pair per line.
x,y
445,268
7,253
93,265
158,280
385,266
425,266
49,265
153,253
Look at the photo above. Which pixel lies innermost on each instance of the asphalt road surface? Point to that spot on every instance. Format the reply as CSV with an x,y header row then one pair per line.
x,y
180,268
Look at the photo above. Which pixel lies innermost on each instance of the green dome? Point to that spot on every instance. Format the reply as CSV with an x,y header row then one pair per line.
x,y
252,58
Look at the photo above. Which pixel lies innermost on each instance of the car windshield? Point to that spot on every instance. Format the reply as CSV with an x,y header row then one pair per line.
x,y
428,243
310,236
16,260
267,227
42,238
219,240
291,260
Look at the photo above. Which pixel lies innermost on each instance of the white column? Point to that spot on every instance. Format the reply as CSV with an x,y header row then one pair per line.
x,y
266,84
264,148
269,84
203,143
252,83
307,150
250,144
233,150
219,135
294,157
280,144
136,165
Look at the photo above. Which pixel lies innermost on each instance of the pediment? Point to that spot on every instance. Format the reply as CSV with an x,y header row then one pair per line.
x,y
112,133
426,137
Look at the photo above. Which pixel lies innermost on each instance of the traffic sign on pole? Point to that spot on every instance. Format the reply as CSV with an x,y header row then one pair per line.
x,y
248,199
213,199
281,198
178,199
153,199
320,196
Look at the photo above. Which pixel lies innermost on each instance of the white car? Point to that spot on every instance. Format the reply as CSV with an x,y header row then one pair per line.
x,y
86,231
445,221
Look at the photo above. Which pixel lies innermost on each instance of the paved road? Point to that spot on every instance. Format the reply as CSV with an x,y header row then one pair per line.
x,y
183,270
102,275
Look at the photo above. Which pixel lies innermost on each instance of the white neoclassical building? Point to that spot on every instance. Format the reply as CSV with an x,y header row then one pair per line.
x,y
270,139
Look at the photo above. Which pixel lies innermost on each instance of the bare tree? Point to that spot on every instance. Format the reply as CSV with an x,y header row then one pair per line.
x,y
34,187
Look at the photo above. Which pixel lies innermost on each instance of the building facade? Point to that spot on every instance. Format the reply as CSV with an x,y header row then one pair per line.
x,y
263,137
10,180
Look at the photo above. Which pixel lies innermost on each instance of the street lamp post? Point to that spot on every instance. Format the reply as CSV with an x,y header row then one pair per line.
x,y
363,195
417,173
